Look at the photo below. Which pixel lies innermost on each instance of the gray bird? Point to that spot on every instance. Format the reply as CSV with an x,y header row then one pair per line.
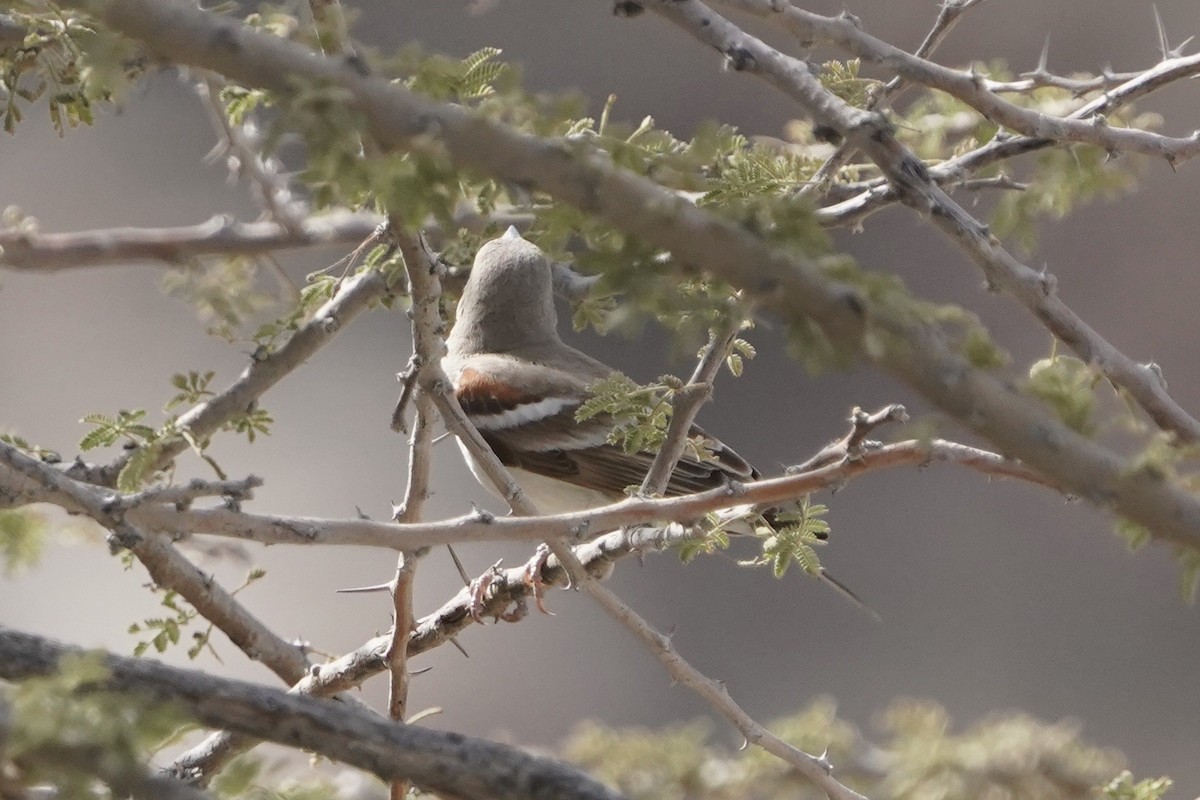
x,y
521,386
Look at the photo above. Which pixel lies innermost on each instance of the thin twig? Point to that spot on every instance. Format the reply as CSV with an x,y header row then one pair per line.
x,y
355,296
817,769
686,404
239,147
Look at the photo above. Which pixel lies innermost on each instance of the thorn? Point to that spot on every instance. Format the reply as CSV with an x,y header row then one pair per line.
x,y
379,587
461,649
1044,58
846,16
848,593
462,572
1164,46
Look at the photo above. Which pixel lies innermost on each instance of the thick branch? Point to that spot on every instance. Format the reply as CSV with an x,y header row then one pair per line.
x,y
450,763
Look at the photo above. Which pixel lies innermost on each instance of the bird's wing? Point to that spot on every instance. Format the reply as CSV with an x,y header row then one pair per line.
x,y
526,413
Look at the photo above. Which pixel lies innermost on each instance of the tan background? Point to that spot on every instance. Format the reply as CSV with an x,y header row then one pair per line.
x,y
994,596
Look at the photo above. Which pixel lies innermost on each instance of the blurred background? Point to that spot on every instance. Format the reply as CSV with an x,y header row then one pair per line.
x,y
994,596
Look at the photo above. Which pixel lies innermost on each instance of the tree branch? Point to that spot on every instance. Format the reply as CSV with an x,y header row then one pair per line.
x,y
975,91
450,763
815,768
238,145
168,567
420,454
50,252
686,404
575,526
873,195
948,14
356,295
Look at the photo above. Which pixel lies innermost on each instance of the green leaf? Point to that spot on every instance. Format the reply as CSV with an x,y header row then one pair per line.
x,y
138,468
793,539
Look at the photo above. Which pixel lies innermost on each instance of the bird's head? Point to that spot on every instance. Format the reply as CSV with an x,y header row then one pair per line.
x,y
508,301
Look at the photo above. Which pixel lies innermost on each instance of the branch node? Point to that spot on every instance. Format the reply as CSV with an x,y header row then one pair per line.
x,y
738,58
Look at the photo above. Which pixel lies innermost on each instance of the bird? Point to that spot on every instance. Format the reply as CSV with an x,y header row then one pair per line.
x,y
521,385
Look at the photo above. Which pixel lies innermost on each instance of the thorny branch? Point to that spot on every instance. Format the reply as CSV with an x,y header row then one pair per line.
x,y
860,199
969,87
908,175
948,16
179,523
420,454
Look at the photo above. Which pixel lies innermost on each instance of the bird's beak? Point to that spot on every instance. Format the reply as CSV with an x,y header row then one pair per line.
x,y
511,233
